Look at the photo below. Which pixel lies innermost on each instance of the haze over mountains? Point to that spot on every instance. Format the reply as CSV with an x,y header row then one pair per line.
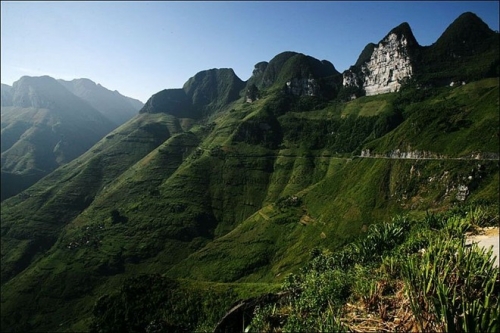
x,y
47,123
118,108
227,183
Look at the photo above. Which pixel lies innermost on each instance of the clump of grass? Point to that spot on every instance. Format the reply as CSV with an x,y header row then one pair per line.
x,y
453,288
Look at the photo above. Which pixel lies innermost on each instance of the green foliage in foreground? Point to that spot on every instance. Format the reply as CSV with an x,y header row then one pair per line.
x,y
453,288
423,265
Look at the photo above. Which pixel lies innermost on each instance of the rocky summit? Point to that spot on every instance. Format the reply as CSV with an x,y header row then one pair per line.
x,y
388,67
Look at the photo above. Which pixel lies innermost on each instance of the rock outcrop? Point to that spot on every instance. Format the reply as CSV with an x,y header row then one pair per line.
x,y
398,154
388,66
303,87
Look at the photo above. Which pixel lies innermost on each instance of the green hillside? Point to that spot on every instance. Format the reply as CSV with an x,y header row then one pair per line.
x,y
207,198
244,198
47,123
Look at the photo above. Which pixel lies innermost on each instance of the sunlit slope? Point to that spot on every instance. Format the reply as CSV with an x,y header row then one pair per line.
x,y
45,125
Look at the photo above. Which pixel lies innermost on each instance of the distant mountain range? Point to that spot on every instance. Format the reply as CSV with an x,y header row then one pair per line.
x,y
47,123
218,190
116,107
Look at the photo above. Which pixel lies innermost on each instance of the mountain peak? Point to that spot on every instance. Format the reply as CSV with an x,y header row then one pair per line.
x,y
469,17
34,79
467,35
382,67
206,91
404,30
287,66
213,88
170,101
38,92
112,104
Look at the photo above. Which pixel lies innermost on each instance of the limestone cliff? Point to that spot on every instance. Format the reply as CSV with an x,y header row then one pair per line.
x,y
302,87
389,64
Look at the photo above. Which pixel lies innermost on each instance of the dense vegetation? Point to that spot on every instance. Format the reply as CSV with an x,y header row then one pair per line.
x,y
402,275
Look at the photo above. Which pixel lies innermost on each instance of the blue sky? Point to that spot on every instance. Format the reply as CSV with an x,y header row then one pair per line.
x,y
140,48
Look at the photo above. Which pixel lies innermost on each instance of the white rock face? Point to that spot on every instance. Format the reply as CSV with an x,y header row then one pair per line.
x,y
388,67
462,192
350,79
302,87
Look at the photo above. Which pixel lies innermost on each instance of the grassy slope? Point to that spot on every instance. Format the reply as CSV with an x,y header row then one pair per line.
x,y
200,204
456,122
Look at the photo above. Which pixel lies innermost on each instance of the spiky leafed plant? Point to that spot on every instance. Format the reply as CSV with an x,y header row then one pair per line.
x,y
453,287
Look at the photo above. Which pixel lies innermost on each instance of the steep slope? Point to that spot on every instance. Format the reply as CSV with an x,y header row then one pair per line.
x,y
211,90
89,174
45,127
203,94
111,104
297,74
326,200
170,101
218,196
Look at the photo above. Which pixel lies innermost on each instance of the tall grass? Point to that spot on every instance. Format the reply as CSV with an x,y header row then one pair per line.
x,y
453,288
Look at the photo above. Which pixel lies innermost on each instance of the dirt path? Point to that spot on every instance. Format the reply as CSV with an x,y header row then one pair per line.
x,y
489,238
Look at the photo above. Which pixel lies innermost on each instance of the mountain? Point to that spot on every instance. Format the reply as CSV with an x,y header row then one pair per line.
x,y
217,191
6,95
467,50
299,74
383,67
202,94
44,125
114,106
213,89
